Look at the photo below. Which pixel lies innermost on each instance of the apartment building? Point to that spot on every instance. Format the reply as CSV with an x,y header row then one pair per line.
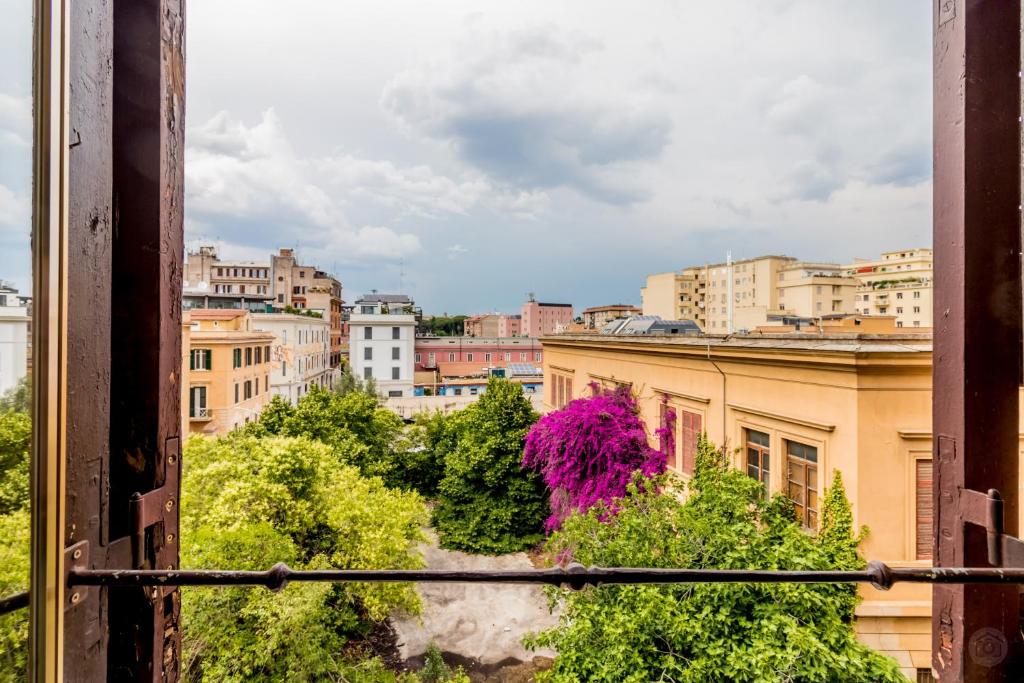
x,y
308,288
382,336
280,283
15,327
595,317
229,366
300,353
727,297
539,318
793,409
462,356
899,283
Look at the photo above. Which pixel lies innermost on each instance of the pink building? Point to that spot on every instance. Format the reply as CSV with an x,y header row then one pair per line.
x,y
464,356
492,325
542,318
510,326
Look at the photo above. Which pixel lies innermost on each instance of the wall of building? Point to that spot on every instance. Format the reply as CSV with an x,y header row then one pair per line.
x,y
475,353
14,341
867,414
221,336
300,353
382,344
540,318
660,296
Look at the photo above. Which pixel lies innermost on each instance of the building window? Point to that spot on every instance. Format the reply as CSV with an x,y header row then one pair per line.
x,y
280,298
924,508
899,309
802,478
451,357
236,358
266,383
417,358
256,382
248,390
487,358
917,323
248,356
431,359
925,676
259,355
508,356
899,295
368,353
666,436
395,351
522,356
266,353
197,402
395,393
690,429
536,357
469,357
396,333
302,273
220,272
201,359
236,392
367,333
917,295
917,309
396,373
758,456
367,373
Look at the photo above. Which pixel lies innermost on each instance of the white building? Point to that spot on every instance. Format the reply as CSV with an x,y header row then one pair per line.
x,y
300,355
382,333
14,327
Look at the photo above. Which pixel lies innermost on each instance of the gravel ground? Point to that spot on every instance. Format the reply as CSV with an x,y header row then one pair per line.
x,y
478,626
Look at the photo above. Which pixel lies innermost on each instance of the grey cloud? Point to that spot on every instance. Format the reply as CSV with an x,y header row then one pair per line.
x,y
520,107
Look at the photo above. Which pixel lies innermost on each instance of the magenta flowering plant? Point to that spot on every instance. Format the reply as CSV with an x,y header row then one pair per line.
x,y
588,452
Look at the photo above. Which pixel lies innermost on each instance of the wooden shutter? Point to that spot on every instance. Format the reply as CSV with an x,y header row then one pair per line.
x,y
690,425
568,389
925,508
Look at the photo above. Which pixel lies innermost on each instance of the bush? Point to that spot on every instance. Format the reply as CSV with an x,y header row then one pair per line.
x,y
353,424
249,502
709,632
15,445
486,502
588,452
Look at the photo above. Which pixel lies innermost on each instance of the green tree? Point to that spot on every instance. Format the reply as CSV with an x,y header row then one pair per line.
x,y
248,502
430,439
487,503
709,632
18,399
15,442
14,567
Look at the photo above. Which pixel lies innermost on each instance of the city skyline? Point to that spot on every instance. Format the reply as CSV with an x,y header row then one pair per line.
x,y
472,153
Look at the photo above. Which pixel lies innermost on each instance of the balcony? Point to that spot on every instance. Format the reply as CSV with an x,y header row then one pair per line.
x,y
200,415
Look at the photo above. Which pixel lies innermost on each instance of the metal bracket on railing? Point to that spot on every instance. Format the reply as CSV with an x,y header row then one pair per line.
x,y
986,511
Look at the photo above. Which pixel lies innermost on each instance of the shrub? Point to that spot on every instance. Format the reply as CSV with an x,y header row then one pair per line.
x,y
588,452
486,502
249,502
709,632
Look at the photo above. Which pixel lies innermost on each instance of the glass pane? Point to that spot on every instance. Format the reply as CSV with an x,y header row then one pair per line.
x,y
753,458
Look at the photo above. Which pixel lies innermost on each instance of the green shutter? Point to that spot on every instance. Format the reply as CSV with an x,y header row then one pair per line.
x,y
191,360
191,402
209,359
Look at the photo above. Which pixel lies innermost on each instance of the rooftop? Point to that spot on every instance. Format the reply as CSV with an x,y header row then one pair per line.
x,y
384,299
839,342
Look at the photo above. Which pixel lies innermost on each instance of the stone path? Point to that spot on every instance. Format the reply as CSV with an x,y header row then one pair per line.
x,y
481,625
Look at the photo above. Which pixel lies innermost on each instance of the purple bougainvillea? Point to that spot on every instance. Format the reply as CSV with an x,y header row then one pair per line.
x,y
588,451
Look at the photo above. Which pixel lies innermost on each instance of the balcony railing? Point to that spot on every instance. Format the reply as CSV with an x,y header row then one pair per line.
x,y
200,415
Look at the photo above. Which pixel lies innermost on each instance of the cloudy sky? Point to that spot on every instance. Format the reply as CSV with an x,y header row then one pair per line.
x,y
473,151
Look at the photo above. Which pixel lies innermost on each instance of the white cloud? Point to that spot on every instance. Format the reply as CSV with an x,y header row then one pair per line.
x,y
246,184
455,250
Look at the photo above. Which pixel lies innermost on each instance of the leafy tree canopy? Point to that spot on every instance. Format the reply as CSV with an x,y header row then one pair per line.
x,y
248,502
710,632
486,502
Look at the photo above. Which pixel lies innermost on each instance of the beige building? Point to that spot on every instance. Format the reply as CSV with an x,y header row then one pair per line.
x,y
259,287
596,317
793,408
898,284
300,353
727,297
228,371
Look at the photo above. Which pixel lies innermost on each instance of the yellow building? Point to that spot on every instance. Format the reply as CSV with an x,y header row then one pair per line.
x,y
742,295
899,284
228,369
793,408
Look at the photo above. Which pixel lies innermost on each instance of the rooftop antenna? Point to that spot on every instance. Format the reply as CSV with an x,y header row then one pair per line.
x,y
530,296
401,275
